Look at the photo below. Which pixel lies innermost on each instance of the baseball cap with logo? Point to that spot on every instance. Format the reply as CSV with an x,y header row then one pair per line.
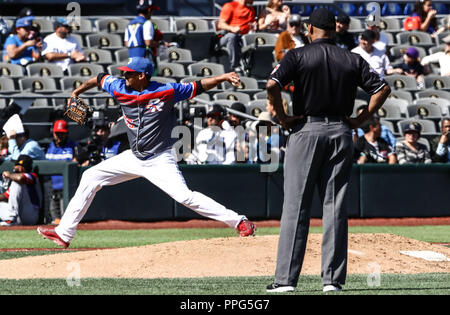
x,y
414,127
25,161
138,64
294,19
322,18
412,52
25,22
60,126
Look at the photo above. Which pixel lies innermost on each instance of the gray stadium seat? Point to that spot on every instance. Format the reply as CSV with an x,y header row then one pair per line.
x,y
84,69
234,96
401,82
121,55
104,40
99,56
255,107
45,26
263,95
247,83
79,39
172,69
205,69
7,86
39,130
259,39
428,126
415,38
356,25
399,50
180,55
437,82
432,93
425,111
390,112
187,79
259,61
198,43
162,24
111,25
38,85
10,70
436,49
400,103
442,36
38,114
83,27
112,69
26,97
401,94
390,24
163,80
390,125
192,25
71,83
44,69
441,102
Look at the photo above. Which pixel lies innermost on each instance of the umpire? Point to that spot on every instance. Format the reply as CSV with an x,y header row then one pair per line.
x,y
319,147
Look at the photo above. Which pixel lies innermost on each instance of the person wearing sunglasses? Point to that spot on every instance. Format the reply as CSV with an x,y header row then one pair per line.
x,y
291,38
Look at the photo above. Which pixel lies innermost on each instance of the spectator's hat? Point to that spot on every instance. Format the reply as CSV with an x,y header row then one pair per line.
x,y
99,120
146,5
60,126
138,64
61,22
25,161
371,20
368,35
238,106
446,39
322,18
215,110
413,127
295,19
265,117
412,52
25,22
343,19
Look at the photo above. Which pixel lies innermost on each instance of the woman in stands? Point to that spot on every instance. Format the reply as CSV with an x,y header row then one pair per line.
x,y
410,150
424,9
274,17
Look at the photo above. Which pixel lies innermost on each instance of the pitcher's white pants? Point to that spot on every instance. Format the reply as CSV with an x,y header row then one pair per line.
x,y
162,170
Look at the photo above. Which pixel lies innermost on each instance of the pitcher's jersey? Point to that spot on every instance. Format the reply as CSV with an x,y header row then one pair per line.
x,y
150,114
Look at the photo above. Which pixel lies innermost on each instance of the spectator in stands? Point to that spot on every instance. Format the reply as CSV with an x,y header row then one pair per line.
x,y
271,110
21,144
274,17
264,142
440,146
410,150
412,67
424,10
291,38
60,149
445,26
216,143
374,57
381,39
20,48
141,36
61,48
442,57
20,203
371,148
386,133
241,146
237,18
343,37
234,119
3,146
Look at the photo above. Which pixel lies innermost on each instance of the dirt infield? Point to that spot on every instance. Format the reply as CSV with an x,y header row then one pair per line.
x,y
220,257
126,225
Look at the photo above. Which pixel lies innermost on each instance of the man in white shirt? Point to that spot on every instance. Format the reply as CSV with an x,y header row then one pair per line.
x,y
381,39
61,48
442,57
377,60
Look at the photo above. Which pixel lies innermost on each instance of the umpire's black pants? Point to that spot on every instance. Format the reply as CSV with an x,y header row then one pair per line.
x,y
317,153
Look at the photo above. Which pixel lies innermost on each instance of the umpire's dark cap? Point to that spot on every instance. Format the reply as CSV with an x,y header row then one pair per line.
x,y
322,18
25,161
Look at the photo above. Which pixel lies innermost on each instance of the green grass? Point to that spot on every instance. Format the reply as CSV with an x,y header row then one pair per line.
x,y
308,285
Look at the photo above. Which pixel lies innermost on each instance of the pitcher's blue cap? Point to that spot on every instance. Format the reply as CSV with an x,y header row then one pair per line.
x,y
138,64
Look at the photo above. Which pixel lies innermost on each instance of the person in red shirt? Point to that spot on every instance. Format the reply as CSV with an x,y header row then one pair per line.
x,y
236,18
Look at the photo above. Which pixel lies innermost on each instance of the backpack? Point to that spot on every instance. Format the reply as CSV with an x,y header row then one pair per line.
x,y
412,23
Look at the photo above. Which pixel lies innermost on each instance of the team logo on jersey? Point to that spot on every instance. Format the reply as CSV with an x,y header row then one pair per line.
x,y
154,105
128,122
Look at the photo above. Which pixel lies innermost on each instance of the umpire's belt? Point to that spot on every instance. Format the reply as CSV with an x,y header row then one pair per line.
x,y
312,119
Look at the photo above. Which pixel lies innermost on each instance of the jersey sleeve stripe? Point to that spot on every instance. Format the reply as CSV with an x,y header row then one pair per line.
x,y
103,81
194,89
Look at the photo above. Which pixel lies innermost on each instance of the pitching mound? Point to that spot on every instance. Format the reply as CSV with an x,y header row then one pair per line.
x,y
223,257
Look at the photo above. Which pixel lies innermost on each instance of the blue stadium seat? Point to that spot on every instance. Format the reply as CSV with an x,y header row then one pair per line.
x,y
348,8
408,9
362,10
303,9
391,8
440,7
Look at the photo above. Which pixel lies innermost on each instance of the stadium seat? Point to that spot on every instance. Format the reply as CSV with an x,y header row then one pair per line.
x,y
121,55
432,93
435,49
441,102
84,69
401,82
195,101
348,8
98,56
255,107
162,24
191,41
35,98
437,82
171,69
391,8
398,51
79,39
187,79
191,25
59,100
38,114
263,95
104,40
232,96
401,104
163,80
7,86
425,111
408,9
390,125
180,55
111,25
390,37
39,130
44,69
81,26
390,111
390,24
38,85
112,69
259,39
10,70
356,25
428,126
45,26
441,36
440,7
247,85
401,94
415,38
78,133
71,83
224,103
205,69
259,61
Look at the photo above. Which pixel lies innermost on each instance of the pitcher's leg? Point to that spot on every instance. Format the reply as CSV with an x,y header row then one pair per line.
x,y
109,172
166,175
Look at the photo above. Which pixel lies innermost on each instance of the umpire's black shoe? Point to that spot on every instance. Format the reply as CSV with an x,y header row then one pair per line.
x,y
276,287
